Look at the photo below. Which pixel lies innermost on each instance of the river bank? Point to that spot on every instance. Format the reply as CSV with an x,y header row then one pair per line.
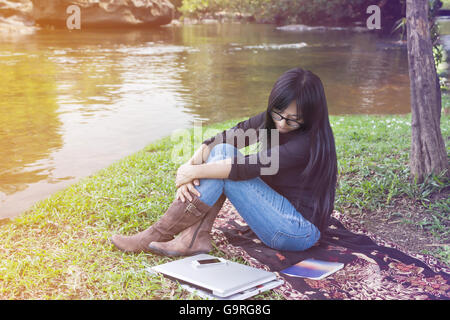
x,y
59,249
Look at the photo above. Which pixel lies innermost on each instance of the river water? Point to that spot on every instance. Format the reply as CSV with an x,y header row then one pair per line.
x,y
73,102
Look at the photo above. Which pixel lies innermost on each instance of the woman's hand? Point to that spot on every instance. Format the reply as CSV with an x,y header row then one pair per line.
x,y
185,174
186,190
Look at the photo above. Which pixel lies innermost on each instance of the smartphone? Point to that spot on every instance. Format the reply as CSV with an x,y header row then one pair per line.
x,y
202,263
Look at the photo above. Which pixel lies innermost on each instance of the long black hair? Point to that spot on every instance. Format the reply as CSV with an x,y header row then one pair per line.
x,y
307,90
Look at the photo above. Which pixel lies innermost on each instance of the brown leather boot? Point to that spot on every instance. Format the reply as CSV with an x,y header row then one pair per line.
x,y
194,240
178,217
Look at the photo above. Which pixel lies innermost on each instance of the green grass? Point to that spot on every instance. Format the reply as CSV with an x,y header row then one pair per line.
x,y
445,4
59,249
373,157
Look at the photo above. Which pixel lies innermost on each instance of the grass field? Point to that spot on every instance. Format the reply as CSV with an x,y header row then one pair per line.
x,y
59,249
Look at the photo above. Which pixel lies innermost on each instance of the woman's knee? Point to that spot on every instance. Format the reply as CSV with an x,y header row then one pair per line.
x,y
282,240
223,150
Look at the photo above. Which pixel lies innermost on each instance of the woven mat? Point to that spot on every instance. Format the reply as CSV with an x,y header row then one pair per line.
x,y
374,268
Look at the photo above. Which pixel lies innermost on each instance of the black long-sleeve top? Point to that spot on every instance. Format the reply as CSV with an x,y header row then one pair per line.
x,y
293,158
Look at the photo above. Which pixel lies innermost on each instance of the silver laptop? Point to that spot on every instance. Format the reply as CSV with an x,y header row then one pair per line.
x,y
219,277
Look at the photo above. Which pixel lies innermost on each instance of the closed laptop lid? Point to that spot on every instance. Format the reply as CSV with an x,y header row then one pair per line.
x,y
221,280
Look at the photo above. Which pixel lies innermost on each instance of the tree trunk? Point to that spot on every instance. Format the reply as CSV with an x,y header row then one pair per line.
x,y
428,153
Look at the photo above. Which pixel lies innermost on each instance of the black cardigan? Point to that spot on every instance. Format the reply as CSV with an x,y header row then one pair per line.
x,y
294,150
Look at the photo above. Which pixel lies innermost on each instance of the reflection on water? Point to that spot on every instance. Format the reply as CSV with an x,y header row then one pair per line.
x,y
73,102
29,124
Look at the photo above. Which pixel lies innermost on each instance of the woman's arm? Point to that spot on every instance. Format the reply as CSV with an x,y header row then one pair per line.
x,y
201,155
212,170
232,136
186,190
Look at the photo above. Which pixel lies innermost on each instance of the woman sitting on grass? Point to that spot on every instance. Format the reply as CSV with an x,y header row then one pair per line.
x,y
287,208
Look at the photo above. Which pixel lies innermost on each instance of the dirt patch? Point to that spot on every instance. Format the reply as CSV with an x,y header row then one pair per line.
x,y
407,224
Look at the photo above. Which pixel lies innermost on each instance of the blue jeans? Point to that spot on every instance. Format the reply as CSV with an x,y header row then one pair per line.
x,y
271,216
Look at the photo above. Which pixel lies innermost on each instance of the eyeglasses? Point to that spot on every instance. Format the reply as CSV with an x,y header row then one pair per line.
x,y
291,123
